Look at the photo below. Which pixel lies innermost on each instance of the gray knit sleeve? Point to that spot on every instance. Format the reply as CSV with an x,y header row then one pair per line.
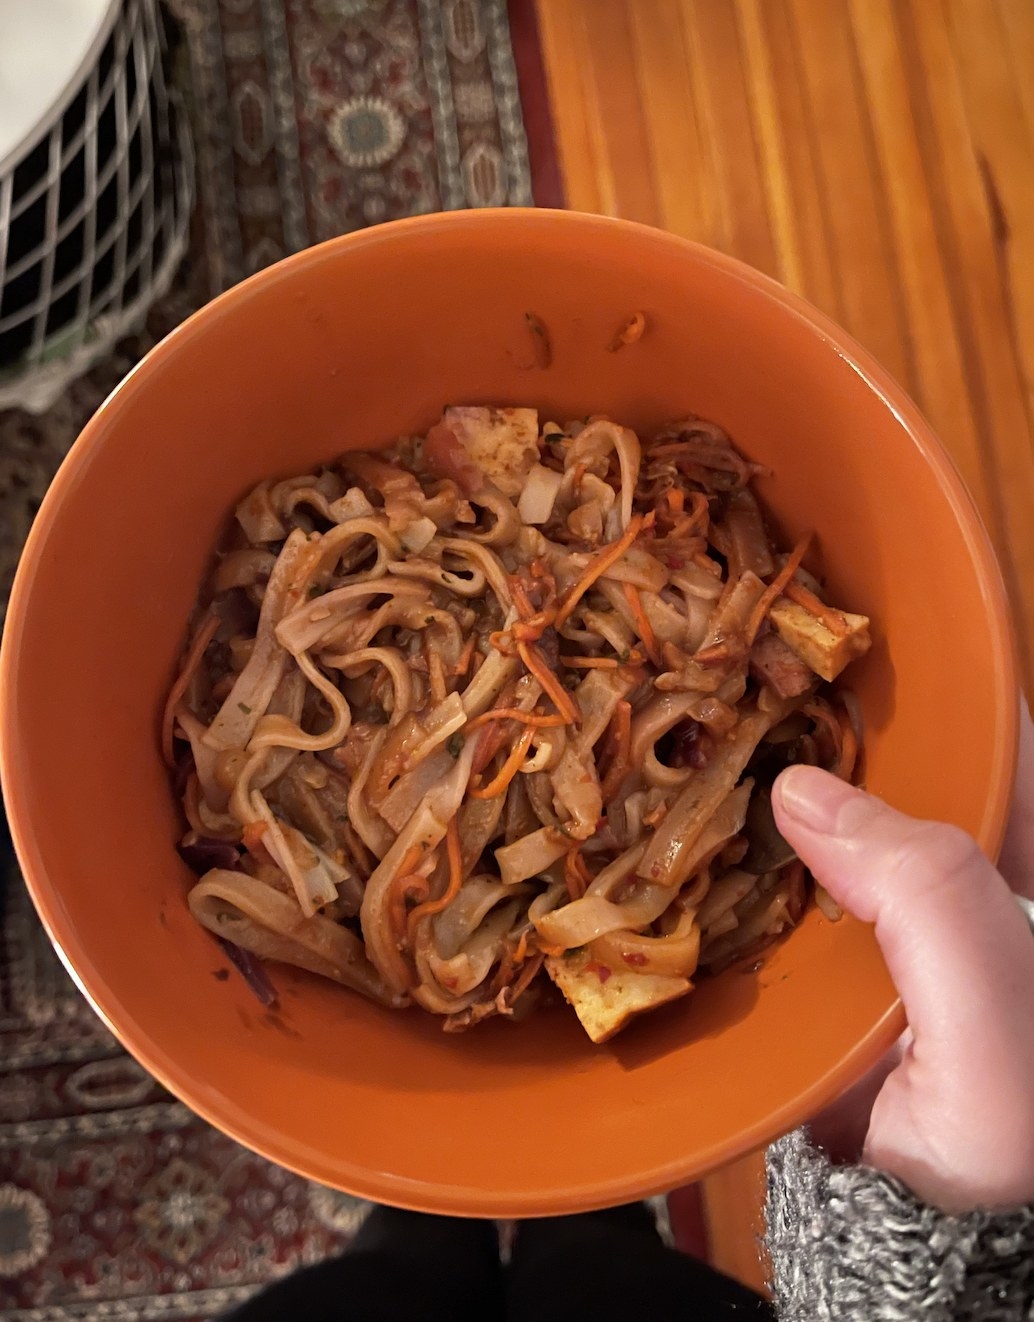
x,y
849,1242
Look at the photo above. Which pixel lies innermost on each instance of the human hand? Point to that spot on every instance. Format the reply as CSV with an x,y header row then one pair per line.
x,y
953,1115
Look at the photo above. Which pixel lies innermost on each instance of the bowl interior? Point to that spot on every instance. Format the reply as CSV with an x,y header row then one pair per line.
x,y
348,346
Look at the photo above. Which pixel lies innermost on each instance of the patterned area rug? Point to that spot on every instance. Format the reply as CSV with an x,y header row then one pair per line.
x,y
311,118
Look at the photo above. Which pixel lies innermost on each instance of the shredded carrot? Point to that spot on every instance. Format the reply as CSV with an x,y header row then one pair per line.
x,y
463,664
521,953
628,332
521,600
206,632
538,719
642,622
715,655
576,875
489,741
589,662
253,833
621,729
600,563
507,771
579,473
676,499
252,838
832,619
527,974
409,861
535,664
502,641
405,882
778,586
698,515
429,907
406,886
532,629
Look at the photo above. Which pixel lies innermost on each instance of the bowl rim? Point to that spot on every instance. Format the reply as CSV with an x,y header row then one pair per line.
x,y
407,1191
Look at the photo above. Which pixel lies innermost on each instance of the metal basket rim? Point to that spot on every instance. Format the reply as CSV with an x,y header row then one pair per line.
x,y
64,98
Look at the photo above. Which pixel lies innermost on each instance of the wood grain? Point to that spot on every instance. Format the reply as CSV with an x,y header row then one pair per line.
x,y
877,156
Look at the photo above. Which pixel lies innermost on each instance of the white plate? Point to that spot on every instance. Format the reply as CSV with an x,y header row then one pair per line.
x,y
46,48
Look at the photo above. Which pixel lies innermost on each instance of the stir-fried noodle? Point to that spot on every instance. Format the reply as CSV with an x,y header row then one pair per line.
x,y
505,704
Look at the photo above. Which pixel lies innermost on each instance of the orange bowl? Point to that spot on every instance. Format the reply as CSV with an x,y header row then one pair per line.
x,y
348,345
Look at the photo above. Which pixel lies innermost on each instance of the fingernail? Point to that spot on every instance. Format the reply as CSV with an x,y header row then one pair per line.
x,y
814,798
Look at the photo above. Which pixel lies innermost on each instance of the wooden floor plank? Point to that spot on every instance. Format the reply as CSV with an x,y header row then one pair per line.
x,y
866,263
684,167
717,70
763,78
564,40
877,156
770,38
939,384
980,287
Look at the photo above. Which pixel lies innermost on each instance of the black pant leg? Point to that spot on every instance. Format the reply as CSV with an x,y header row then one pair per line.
x,y
401,1267
611,1266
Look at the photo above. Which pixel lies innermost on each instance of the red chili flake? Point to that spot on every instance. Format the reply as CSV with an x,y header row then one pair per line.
x,y
636,958
674,562
601,970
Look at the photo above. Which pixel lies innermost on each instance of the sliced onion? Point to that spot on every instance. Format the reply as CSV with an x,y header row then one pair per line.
x,y
416,535
539,494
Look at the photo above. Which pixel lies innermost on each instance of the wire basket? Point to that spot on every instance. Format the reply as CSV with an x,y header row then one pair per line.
x,y
94,214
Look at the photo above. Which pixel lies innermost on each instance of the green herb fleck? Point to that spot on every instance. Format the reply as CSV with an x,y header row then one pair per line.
x,y
624,656
244,708
455,744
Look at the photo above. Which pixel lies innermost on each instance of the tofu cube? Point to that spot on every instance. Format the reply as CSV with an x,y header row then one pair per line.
x,y
504,443
826,651
606,999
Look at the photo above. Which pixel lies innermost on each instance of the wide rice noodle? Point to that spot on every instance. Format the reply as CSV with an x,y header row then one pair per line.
x,y
503,689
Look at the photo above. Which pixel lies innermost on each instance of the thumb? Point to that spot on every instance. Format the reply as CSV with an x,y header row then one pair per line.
x,y
954,941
